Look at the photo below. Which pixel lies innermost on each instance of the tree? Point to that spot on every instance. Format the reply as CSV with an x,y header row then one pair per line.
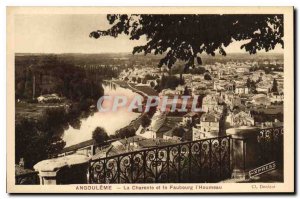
x,y
125,132
56,144
181,79
186,91
248,84
152,84
25,135
198,70
207,76
274,88
54,121
39,140
178,131
162,82
185,37
69,81
100,135
149,77
170,82
251,85
145,121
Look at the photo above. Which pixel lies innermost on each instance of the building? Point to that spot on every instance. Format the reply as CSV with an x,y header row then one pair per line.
x,y
180,89
189,118
257,75
169,92
220,85
85,148
243,70
210,102
274,98
152,130
232,100
264,86
241,89
261,99
49,98
241,118
169,136
209,126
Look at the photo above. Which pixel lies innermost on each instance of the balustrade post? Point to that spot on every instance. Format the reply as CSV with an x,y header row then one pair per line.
x,y
210,159
144,165
244,154
89,178
168,164
118,169
229,154
190,161
200,160
131,168
48,177
104,171
220,155
263,144
179,163
272,144
156,164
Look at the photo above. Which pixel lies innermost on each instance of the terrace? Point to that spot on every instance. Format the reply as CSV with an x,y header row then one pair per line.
x,y
212,160
207,160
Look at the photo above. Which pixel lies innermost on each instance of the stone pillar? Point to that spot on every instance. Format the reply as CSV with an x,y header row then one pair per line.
x,y
245,150
47,177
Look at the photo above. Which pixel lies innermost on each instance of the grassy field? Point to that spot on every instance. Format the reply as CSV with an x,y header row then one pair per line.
x,y
33,111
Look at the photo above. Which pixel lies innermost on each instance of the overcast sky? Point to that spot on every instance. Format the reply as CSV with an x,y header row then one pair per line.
x,y
70,34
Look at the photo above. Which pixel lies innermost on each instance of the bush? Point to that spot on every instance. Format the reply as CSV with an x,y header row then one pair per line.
x,y
145,121
178,131
207,77
100,135
125,132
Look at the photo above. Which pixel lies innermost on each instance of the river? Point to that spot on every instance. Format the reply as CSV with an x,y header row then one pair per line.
x,y
110,121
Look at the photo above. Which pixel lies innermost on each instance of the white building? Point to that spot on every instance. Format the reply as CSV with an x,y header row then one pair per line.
x,y
209,126
210,102
240,119
241,89
157,121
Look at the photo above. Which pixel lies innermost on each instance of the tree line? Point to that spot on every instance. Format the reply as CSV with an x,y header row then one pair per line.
x,y
41,139
53,75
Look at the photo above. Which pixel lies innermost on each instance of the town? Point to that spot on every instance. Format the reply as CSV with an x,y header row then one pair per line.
x,y
235,96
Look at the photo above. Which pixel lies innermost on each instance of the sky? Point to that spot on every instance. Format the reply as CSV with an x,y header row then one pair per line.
x,y
60,33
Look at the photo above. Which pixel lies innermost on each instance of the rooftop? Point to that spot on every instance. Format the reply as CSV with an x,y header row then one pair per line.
x,y
78,146
210,117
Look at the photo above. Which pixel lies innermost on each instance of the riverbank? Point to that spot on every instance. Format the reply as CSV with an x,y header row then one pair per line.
x,y
143,90
135,124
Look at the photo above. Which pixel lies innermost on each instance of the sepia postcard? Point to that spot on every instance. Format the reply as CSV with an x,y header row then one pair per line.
x,y
150,100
